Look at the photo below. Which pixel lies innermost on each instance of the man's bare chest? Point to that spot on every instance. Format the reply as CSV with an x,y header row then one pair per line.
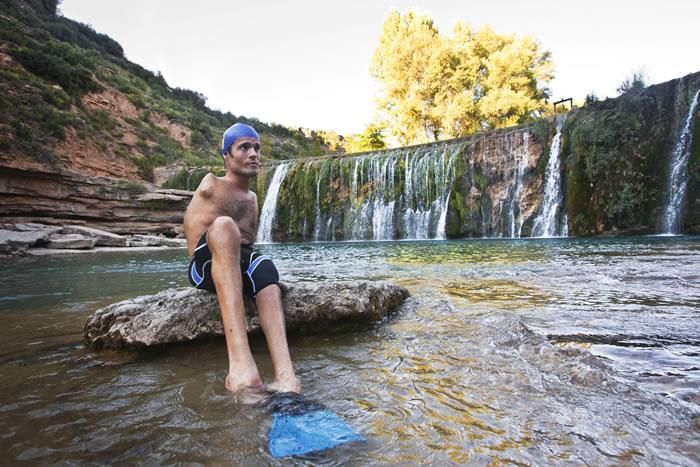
x,y
237,207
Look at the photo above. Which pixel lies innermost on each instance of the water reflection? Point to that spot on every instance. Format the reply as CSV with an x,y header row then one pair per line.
x,y
530,351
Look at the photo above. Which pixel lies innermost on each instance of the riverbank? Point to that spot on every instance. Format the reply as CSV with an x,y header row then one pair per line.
x,y
41,239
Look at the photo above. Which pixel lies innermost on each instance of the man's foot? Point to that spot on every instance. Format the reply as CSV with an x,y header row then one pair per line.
x,y
251,385
286,385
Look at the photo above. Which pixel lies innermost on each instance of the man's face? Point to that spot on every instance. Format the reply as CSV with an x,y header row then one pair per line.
x,y
244,156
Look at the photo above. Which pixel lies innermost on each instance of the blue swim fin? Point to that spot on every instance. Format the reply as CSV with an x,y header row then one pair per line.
x,y
301,426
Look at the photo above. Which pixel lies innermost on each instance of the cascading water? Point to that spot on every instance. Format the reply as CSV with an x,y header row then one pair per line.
x,y
548,221
516,220
383,172
412,193
427,181
317,224
267,215
678,182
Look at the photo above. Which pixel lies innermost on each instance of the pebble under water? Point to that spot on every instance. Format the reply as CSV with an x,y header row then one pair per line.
x,y
554,351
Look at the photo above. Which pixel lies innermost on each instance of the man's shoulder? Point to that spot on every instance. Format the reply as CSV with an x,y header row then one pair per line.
x,y
207,185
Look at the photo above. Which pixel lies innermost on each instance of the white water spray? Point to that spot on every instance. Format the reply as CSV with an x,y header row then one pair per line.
x,y
545,224
678,183
267,216
516,221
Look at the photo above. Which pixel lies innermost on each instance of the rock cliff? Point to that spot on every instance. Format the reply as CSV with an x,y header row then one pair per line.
x,y
118,206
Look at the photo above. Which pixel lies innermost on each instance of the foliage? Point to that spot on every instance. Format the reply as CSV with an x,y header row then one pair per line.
x,y
591,98
437,86
372,139
61,63
634,83
617,172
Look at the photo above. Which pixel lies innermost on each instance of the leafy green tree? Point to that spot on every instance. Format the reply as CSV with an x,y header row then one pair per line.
x,y
401,63
372,139
435,86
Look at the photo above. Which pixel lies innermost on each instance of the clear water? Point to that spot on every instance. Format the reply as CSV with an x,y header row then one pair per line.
x,y
558,351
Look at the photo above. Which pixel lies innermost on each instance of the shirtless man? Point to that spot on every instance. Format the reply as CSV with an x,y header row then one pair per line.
x,y
220,225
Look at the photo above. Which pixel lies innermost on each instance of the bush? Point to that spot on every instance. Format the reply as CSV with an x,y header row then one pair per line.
x,y
60,65
22,131
634,83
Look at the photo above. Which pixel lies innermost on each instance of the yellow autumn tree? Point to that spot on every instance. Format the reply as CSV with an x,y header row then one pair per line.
x,y
443,87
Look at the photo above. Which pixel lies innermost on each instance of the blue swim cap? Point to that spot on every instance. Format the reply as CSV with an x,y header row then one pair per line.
x,y
237,130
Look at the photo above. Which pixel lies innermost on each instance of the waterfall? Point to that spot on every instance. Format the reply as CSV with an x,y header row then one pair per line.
x,y
383,174
678,182
521,157
317,224
545,224
267,215
476,186
427,182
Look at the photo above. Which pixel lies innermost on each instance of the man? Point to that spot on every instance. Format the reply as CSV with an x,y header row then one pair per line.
x,y
220,225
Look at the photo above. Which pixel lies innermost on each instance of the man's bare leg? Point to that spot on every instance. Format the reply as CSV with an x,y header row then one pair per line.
x,y
224,241
271,314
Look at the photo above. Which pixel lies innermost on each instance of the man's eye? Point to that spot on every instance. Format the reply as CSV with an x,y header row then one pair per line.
x,y
257,147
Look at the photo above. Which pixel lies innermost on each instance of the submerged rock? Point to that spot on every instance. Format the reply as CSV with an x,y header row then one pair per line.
x,y
186,314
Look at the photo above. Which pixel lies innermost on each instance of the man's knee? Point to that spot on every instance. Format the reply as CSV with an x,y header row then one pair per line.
x,y
271,292
223,232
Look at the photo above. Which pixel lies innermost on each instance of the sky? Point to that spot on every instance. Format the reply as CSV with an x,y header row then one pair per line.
x,y
305,63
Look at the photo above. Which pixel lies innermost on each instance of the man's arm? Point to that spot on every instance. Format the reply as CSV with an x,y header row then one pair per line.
x,y
198,213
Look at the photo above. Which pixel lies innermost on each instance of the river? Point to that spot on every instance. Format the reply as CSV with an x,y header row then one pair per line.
x,y
556,351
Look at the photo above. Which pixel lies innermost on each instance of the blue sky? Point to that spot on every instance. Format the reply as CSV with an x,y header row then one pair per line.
x,y
305,63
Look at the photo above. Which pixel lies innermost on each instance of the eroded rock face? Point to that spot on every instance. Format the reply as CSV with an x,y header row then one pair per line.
x,y
68,198
186,314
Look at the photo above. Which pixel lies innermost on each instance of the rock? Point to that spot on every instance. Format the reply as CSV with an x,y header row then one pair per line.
x,y
64,197
12,241
186,314
70,241
173,242
34,227
140,240
102,237
143,240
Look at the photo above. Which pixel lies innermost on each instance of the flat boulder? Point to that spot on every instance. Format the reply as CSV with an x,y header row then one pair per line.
x,y
18,238
102,237
71,241
186,314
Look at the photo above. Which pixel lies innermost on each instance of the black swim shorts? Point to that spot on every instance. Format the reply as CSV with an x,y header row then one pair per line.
x,y
258,270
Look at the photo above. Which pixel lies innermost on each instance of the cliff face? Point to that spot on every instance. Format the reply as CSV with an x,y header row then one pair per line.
x,y
69,198
618,160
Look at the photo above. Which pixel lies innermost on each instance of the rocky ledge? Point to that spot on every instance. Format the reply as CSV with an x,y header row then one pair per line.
x,y
32,238
186,314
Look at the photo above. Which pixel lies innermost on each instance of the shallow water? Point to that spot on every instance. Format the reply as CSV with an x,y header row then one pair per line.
x,y
526,351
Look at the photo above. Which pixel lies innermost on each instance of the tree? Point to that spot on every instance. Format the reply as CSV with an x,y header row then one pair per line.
x,y
401,63
634,83
436,86
372,139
